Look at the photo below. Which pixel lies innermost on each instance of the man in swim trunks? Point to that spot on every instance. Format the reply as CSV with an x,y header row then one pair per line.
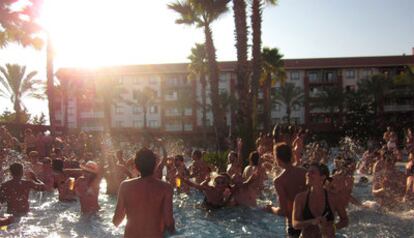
x,y
145,201
15,192
288,184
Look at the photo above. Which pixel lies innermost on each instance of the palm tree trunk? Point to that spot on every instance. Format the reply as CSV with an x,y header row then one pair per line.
x,y
266,105
66,102
17,109
203,83
288,112
50,84
214,86
256,20
244,119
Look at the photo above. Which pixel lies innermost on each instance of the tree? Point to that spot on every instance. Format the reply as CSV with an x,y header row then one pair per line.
x,y
110,91
376,88
256,22
290,96
184,101
228,103
198,69
16,84
272,70
331,99
144,98
39,119
8,116
17,24
202,13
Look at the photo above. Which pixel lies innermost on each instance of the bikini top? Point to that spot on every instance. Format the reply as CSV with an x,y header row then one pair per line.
x,y
327,212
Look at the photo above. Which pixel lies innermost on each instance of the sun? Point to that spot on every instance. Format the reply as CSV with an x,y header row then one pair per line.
x,y
88,33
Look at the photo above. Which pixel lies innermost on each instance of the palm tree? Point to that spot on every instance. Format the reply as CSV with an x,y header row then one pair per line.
x,y
184,100
50,83
256,22
228,103
144,98
19,25
17,84
110,91
331,99
272,71
198,68
290,96
376,87
202,13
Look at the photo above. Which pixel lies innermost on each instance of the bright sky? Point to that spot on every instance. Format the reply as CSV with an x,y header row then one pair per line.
x,y
89,33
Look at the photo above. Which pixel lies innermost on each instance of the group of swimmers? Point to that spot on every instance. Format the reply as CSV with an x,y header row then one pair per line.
x,y
312,200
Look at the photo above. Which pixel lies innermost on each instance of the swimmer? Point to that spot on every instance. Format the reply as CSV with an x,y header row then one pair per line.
x,y
87,188
145,201
15,192
314,210
199,169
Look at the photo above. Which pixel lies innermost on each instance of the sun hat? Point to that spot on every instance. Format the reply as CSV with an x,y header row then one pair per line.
x,y
90,166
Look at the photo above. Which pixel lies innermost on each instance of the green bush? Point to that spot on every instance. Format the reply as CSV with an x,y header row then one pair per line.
x,y
218,159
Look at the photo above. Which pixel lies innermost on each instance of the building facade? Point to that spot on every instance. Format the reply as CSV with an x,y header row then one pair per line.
x,y
174,106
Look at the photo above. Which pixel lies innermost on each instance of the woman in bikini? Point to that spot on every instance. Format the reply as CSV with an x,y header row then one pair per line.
x,y
314,210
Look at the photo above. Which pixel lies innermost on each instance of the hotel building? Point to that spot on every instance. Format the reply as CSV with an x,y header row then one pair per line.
x,y
163,114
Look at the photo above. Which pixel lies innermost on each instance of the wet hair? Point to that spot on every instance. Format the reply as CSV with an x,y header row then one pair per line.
x,y
323,170
57,151
57,165
145,162
197,153
47,160
16,170
254,158
283,152
179,158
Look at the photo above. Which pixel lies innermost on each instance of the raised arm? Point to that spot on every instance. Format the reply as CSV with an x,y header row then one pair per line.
x,y
35,183
168,211
119,213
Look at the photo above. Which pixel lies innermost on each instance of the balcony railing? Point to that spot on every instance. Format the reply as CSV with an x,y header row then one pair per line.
x,y
398,108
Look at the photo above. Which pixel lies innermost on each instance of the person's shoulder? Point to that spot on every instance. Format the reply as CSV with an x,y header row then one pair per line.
x,y
301,196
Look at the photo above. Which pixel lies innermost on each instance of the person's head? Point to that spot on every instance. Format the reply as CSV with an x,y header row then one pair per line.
x,y
16,170
254,158
90,170
231,157
317,174
283,154
28,131
178,161
221,182
57,165
145,162
196,155
119,154
34,156
411,156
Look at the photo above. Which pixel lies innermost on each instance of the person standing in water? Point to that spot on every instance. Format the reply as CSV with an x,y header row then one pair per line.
x,y
288,184
15,192
87,188
314,210
145,201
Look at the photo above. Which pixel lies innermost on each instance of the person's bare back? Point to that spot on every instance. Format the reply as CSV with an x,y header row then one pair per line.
x,y
146,202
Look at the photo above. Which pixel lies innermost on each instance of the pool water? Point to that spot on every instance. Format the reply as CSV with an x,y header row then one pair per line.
x,y
51,218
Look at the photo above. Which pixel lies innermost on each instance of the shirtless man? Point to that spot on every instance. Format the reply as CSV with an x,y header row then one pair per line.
x,y
15,192
409,188
46,174
145,201
255,166
199,169
116,173
388,183
288,184
87,188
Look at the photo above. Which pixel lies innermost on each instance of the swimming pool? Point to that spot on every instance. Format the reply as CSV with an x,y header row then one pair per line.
x,y
50,218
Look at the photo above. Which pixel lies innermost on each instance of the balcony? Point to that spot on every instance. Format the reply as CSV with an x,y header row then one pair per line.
x,y
398,108
92,114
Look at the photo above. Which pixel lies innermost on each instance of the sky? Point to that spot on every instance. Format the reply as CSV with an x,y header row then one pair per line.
x,y
91,33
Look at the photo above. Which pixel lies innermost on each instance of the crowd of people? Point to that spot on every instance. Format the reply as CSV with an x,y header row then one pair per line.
x,y
312,199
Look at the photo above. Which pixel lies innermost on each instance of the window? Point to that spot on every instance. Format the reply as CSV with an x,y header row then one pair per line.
x,y
138,123
329,76
313,76
294,75
172,111
153,109
118,109
153,124
350,74
188,111
118,124
276,107
136,110
366,73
